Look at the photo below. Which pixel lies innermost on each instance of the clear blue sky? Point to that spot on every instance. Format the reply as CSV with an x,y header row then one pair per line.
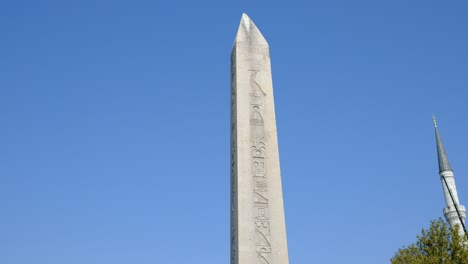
x,y
114,135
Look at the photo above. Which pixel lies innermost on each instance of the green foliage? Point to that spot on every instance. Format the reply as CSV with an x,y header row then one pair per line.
x,y
439,244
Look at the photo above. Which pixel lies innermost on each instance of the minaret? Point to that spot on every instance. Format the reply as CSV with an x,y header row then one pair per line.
x,y
258,230
450,193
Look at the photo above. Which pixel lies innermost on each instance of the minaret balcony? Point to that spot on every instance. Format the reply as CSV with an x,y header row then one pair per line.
x,y
450,210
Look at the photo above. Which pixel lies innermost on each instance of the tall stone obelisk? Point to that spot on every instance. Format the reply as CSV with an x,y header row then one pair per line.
x,y
258,230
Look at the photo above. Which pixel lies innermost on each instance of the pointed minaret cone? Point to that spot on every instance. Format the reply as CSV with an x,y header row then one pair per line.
x,y
448,186
442,156
258,229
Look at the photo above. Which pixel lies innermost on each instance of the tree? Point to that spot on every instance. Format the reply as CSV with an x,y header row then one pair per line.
x,y
440,244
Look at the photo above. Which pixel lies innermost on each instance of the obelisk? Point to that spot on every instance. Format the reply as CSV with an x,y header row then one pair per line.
x,y
258,230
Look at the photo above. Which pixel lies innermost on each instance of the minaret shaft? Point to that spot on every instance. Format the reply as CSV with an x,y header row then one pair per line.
x,y
450,182
258,231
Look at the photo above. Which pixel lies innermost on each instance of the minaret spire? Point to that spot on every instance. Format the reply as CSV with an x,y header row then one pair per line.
x,y
455,213
442,156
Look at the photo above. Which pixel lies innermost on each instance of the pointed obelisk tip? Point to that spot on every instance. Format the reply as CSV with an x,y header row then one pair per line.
x,y
248,31
245,20
434,120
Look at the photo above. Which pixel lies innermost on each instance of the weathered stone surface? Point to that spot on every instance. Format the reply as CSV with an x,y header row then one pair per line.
x,y
258,230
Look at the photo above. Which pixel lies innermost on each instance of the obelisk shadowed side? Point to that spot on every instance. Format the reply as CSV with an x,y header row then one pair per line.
x,y
258,230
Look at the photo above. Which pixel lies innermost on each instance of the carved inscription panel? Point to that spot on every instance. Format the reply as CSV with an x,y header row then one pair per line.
x,y
250,66
259,170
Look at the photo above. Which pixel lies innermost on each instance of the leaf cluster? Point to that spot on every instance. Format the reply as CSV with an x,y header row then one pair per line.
x,y
440,244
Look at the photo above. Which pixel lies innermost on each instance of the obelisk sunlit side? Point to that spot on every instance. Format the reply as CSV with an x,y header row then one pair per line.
x,y
258,230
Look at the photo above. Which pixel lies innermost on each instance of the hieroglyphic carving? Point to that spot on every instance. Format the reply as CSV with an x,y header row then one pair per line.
x,y
259,171
234,238
254,63
256,53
